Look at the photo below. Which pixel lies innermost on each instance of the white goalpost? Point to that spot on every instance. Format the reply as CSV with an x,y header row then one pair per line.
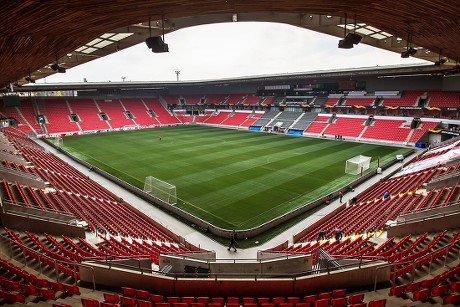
x,y
357,165
58,141
160,189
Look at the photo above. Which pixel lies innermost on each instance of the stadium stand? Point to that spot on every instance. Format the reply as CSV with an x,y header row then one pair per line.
x,y
390,130
359,101
408,98
318,126
59,118
236,119
88,112
218,117
444,99
348,127
115,111
162,114
304,121
140,112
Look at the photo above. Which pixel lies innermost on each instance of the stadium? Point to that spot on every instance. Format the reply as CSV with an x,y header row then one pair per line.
x,y
340,187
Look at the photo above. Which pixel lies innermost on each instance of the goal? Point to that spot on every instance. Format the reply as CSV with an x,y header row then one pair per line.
x,y
357,165
58,141
160,189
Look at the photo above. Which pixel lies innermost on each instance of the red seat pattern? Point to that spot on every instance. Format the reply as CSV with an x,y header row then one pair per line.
x,y
386,129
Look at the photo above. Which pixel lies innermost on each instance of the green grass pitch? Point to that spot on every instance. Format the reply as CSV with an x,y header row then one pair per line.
x,y
232,179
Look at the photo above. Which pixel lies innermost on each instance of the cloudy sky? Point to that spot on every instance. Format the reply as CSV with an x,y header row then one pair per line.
x,y
230,50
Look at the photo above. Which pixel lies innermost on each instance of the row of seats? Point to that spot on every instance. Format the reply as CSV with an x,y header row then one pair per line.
x,y
134,297
17,285
445,286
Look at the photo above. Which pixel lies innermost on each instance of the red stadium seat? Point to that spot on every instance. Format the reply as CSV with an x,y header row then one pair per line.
x,y
233,300
397,291
47,294
248,300
325,295
89,302
440,290
422,295
263,300
278,300
172,299
293,300
142,295
142,303
339,302
129,292
155,298
322,303
339,293
111,298
310,298
377,303
218,300
128,301
71,289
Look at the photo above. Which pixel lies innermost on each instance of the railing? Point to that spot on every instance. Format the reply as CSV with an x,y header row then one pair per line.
x,y
359,262
38,213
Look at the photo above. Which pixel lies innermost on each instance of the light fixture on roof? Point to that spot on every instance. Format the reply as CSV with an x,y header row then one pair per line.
x,y
58,68
410,51
350,39
156,43
29,78
441,59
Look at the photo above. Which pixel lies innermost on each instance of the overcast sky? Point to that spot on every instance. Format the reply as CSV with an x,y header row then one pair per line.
x,y
231,50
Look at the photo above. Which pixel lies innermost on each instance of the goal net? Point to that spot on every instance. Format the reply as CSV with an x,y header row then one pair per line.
x,y
58,141
160,189
356,165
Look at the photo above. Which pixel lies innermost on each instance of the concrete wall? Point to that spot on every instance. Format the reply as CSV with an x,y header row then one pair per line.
x,y
268,287
280,265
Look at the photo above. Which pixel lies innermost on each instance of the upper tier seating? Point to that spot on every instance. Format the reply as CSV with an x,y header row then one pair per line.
x,y
251,100
360,101
408,98
444,99
215,99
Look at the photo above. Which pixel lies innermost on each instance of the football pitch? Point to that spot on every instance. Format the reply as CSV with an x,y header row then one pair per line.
x,y
232,179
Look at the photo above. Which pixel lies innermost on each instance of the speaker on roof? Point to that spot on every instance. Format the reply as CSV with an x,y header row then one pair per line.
x,y
350,40
156,44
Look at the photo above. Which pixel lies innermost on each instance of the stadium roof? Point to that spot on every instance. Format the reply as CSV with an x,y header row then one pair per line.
x,y
37,34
